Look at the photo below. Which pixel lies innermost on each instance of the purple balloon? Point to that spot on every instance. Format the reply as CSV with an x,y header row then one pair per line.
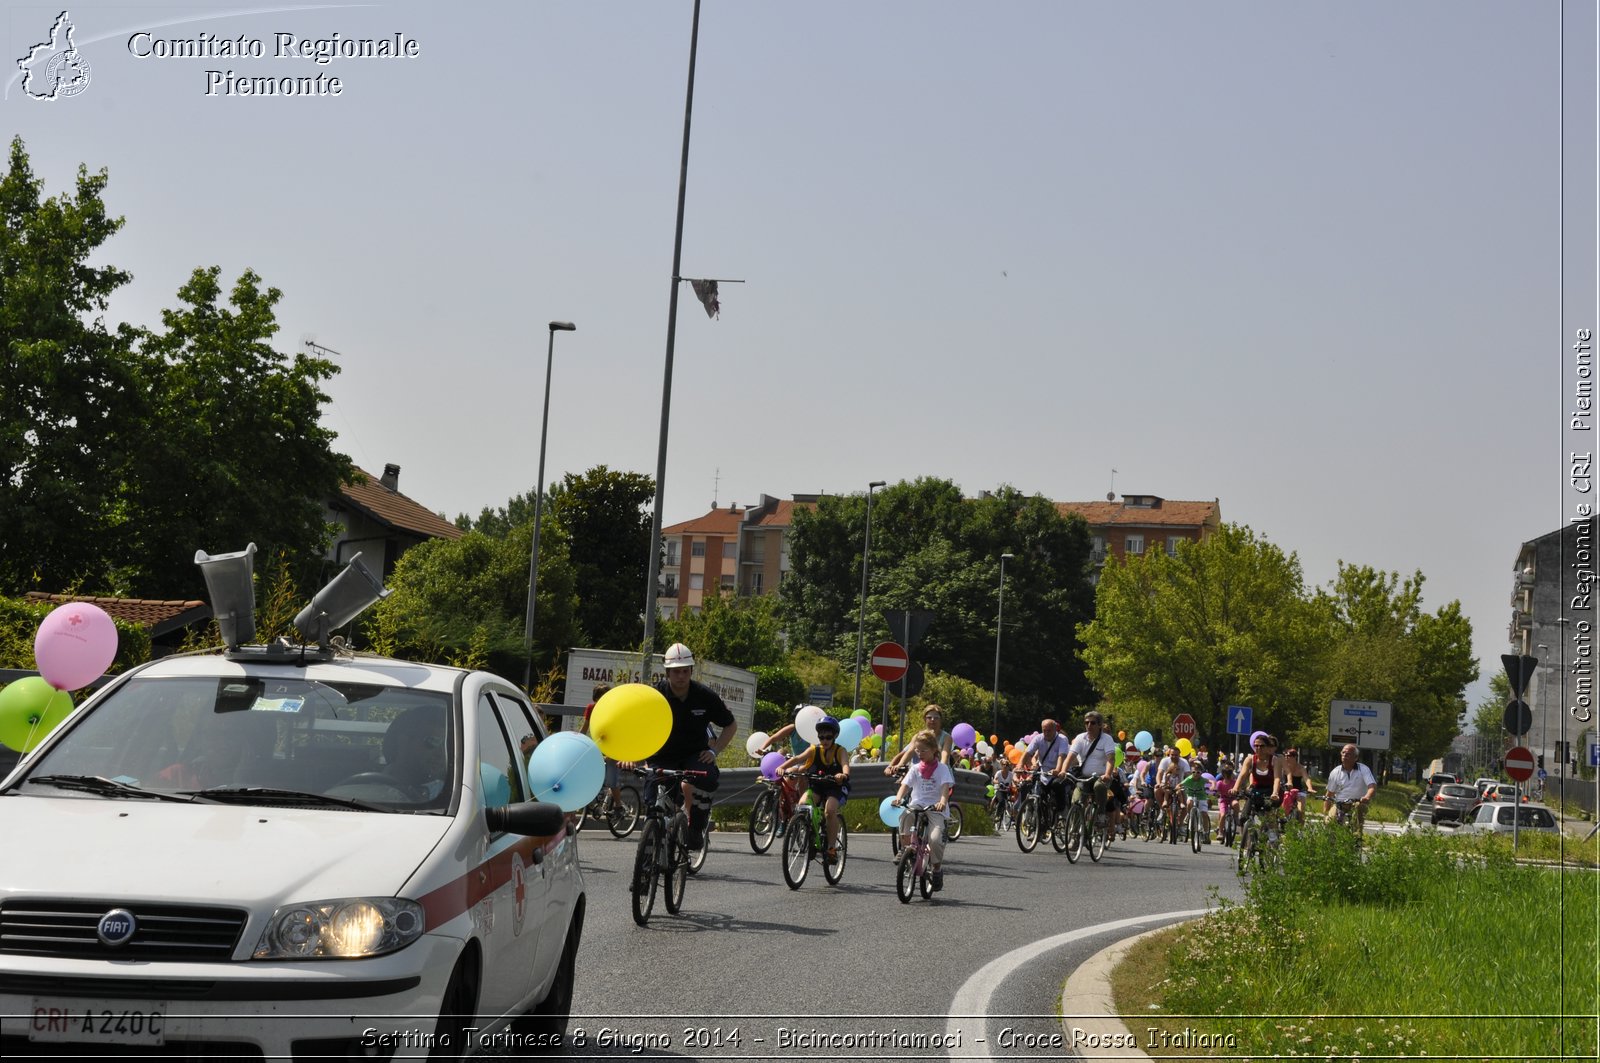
x,y
770,762
963,735
76,643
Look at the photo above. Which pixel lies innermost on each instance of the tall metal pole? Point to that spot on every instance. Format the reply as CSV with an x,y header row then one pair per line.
x,y
538,506
861,626
666,381
999,619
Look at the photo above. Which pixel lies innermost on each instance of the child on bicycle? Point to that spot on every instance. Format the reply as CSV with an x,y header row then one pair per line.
x,y
828,759
1224,787
928,784
1194,793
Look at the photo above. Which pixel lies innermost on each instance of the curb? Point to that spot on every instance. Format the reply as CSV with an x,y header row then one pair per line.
x,y
1089,1019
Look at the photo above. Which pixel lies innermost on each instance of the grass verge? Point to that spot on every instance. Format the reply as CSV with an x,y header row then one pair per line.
x,y
1427,946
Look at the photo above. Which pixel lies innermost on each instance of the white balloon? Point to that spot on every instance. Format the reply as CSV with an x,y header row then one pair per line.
x,y
985,748
805,721
756,743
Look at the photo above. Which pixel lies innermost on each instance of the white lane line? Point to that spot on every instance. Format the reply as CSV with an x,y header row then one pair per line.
x,y
971,1003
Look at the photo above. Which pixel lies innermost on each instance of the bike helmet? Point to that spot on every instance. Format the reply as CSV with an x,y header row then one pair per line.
x,y
828,725
679,656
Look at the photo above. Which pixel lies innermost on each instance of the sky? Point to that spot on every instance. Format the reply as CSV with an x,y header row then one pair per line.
x,y
1319,262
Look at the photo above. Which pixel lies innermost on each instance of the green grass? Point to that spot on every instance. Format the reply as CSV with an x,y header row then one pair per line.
x,y
1429,945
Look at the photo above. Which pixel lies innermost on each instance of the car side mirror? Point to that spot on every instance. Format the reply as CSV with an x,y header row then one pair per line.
x,y
527,817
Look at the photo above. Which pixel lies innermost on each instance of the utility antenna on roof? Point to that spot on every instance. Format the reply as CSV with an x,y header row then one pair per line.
x,y
1111,495
317,348
716,486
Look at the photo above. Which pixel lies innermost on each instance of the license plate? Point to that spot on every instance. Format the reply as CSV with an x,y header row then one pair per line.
x,y
140,1023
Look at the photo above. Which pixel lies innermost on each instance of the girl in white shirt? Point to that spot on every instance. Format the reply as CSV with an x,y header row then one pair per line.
x,y
928,784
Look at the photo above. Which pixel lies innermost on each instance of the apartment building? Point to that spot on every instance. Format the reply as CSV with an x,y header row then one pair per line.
x,y
1143,522
1549,608
743,550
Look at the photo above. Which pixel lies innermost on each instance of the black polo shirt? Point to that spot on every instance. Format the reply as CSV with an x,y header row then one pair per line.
x,y
701,707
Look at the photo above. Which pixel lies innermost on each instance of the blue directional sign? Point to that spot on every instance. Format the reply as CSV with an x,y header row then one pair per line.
x,y
1239,717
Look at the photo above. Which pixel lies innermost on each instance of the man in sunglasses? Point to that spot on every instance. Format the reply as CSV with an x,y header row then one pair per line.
x,y
1096,752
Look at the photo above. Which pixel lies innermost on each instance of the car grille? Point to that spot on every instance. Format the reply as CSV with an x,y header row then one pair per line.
x,y
165,931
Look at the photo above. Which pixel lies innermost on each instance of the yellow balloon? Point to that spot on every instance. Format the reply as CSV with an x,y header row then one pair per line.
x,y
631,722
1186,747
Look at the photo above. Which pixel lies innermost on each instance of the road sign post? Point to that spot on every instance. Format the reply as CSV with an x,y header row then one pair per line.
x,y
1183,726
1519,765
1364,724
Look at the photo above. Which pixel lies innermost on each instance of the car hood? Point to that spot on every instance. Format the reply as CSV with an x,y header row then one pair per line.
x,y
134,849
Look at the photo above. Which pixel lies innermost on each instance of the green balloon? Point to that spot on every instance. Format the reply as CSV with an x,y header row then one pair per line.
x,y
1121,756
29,710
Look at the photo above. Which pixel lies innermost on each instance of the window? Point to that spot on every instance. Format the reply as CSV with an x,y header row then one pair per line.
x,y
730,550
727,581
502,783
697,549
669,587
1098,545
755,583
1134,544
674,549
697,581
1172,545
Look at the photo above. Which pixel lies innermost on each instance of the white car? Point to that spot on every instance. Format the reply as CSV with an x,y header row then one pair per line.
x,y
287,852
1499,817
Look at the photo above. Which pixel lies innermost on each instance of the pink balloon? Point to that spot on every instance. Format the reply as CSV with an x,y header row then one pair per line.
x,y
75,645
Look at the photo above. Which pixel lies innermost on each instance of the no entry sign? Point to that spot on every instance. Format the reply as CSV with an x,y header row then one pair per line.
x,y
1519,763
890,661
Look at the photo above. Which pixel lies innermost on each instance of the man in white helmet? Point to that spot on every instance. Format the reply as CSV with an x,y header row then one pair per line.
x,y
696,708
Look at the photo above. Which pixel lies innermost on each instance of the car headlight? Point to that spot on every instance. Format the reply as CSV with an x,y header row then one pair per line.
x,y
352,928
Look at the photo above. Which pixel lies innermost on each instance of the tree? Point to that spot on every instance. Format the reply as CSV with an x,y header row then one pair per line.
x,y
466,601
1489,719
606,518
742,632
1225,622
234,449
67,379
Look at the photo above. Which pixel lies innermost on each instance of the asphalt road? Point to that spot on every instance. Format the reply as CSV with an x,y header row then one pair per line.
x,y
848,972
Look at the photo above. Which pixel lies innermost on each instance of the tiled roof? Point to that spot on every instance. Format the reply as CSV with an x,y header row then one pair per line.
x,y
1168,513
159,616
717,522
394,509
782,515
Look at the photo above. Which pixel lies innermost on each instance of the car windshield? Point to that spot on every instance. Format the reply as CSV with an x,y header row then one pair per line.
x,y
242,739
1526,817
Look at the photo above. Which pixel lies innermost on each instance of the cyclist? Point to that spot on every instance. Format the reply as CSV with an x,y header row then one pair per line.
x,y
1096,751
929,784
696,708
1225,784
1004,780
1260,773
1044,755
825,757
1350,781
1298,783
933,720
792,788
1169,778
1193,786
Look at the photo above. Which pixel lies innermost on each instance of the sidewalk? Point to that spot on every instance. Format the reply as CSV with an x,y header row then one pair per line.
x,y
1089,1019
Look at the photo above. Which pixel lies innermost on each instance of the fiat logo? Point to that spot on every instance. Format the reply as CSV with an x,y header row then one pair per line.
x,y
116,927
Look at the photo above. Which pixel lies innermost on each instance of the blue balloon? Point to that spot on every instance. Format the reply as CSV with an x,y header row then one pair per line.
x,y
568,769
496,787
850,733
1143,741
889,813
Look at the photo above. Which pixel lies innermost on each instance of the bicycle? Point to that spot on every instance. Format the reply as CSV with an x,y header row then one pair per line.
x,y
1257,838
1198,826
619,814
1079,826
1037,817
1349,815
1227,825
914,867
770,812
807,837
661,861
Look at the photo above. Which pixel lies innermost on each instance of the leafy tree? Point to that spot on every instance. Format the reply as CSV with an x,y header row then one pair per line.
x,y
779,684
234,450
1489,719
742,632
1225,622
606,518
67,380
466,601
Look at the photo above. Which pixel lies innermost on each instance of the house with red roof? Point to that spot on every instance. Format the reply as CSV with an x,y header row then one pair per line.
x,y
1143,522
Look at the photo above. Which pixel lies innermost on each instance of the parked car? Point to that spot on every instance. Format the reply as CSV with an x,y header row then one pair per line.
x,y
1436,780
1502,791
1452,801
1498,816
286,852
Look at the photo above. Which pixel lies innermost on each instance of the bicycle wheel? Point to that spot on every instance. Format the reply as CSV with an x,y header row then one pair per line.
x,y
952,825
1099,835
646,865
905,877
764,821
697,856
925,878
797,849
1072,832
894,840
835,871
1248,840
623,815
675,871
1196,834
1028,824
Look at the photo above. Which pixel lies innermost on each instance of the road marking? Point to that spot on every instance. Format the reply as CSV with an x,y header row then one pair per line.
x,y
969,1008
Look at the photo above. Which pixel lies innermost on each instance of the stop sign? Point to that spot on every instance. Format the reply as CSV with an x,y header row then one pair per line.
x,y
890,661
1183,727
1519,763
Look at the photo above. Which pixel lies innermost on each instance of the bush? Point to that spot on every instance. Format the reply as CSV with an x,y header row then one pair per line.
x,y
780,685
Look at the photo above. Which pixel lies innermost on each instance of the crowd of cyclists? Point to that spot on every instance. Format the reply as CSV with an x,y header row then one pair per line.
x,y
1157,793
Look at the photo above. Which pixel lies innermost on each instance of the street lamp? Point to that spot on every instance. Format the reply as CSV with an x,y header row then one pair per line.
x,y
538,504
861,626
999,618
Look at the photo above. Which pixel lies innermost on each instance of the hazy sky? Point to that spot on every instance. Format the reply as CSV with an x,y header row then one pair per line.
x,y
1304,258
